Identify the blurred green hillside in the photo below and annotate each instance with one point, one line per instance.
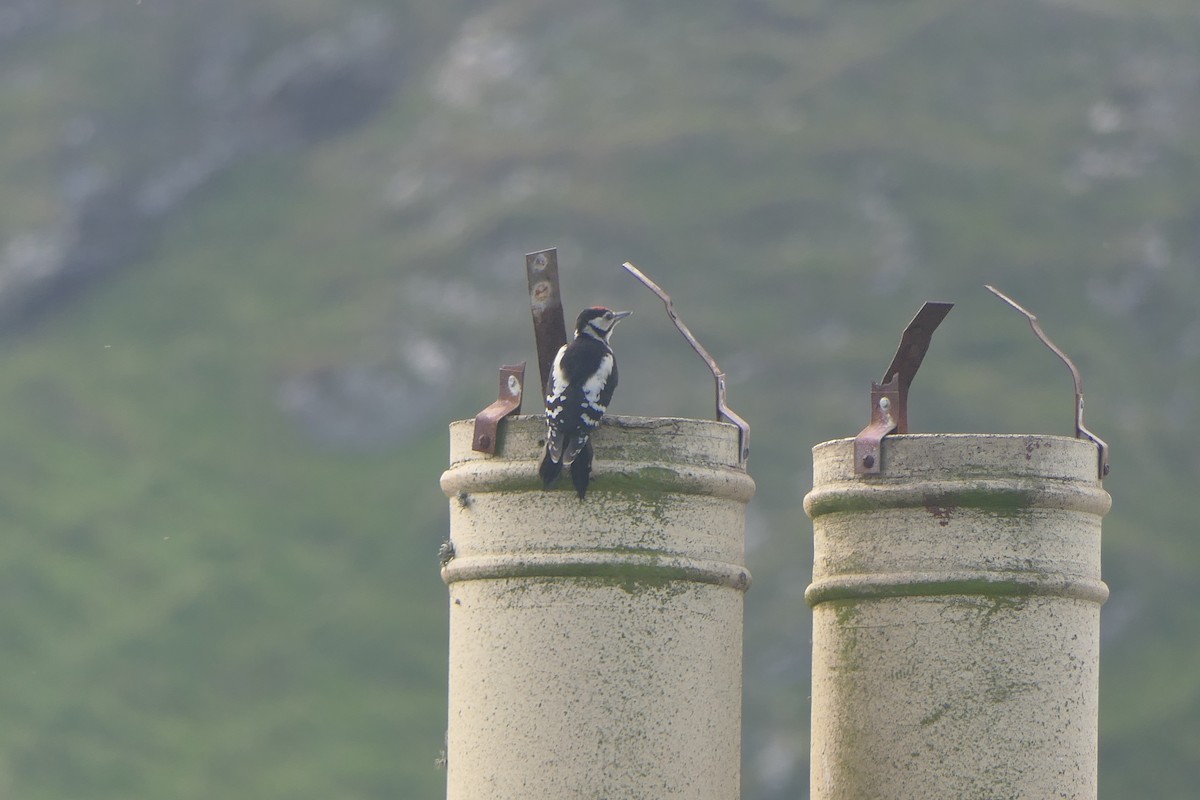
(255, 256)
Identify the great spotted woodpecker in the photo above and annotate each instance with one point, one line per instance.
(580, 387)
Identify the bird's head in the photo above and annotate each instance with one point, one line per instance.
(598, 322)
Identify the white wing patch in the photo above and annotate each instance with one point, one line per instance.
(592, 389)
(558, 386)
(554, 406)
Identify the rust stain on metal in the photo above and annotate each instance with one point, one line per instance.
(542, 291)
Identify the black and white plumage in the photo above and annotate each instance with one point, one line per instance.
(578, 392)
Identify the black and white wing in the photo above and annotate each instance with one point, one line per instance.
(556, 404)
(595, 393)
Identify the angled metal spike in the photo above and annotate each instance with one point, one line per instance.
(889, 399)
(914, 343)
(1081, 431)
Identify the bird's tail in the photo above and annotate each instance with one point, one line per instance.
(549, 470)
(581, 469)
(573, 446)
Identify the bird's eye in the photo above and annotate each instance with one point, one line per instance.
(608, 315)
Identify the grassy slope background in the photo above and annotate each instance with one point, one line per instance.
(219, 490)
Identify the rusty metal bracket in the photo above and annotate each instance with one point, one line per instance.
(889, 398)
(487, 422)
(868, 445)
(545, 302)
(724, 412)
(1081, 431)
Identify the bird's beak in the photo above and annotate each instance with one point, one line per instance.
(620, 315)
